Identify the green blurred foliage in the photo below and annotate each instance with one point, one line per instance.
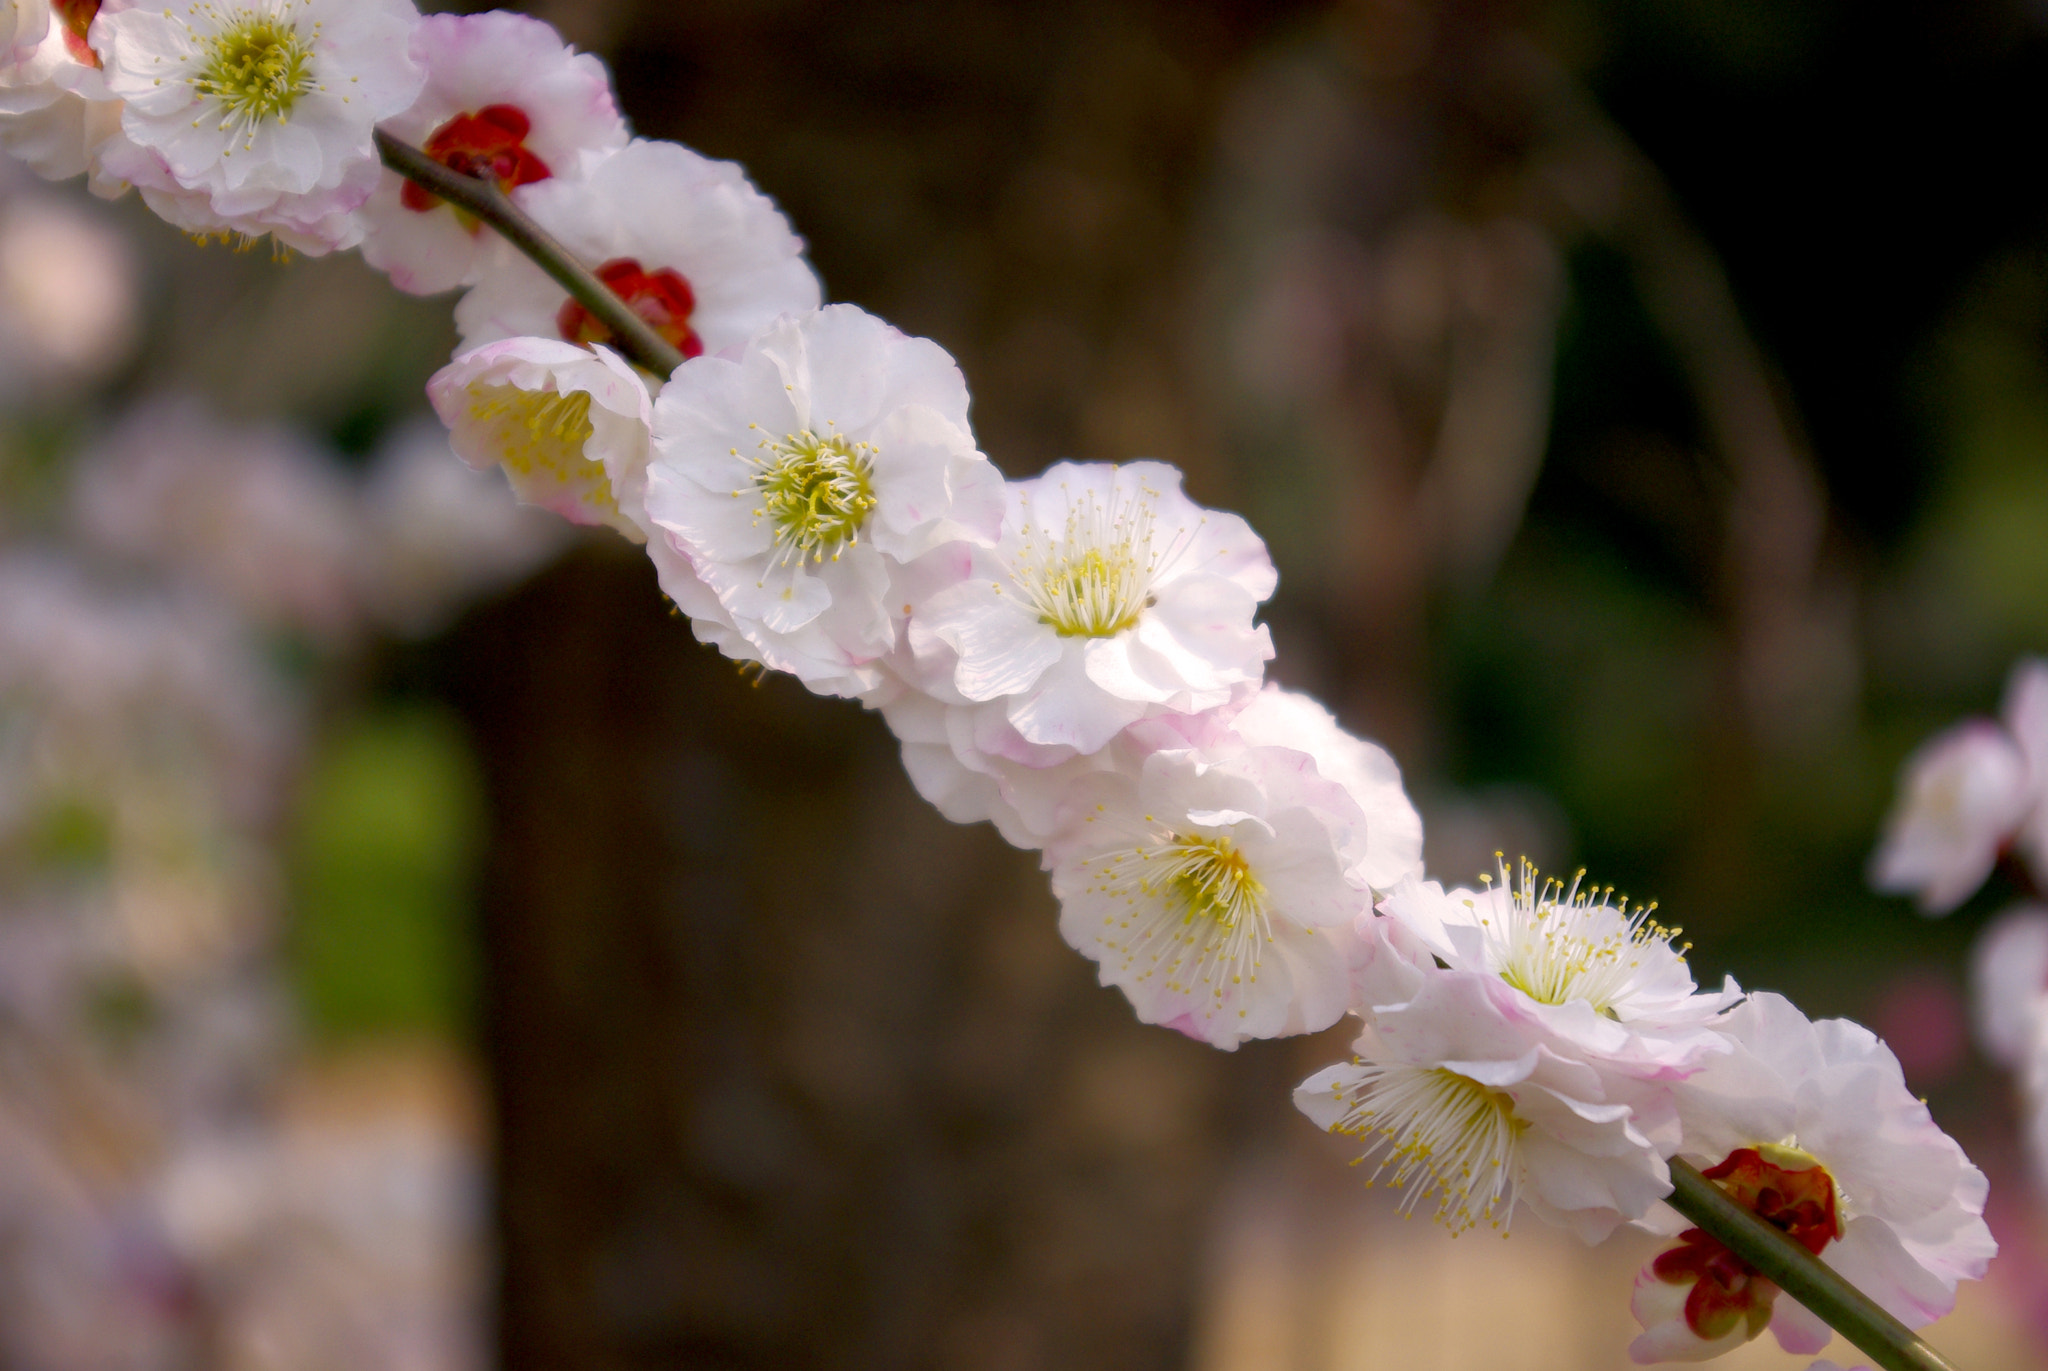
(383, 865)
(1982, 547)
(71, 834)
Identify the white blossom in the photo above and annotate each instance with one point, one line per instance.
(56, 112)
(1456, 1107)
(2009, 983)
(2009, 997)
(969, 761)
(2033, 1101)
(793, 479)
(567, 423)
(257, 115)
(1519, 1044)
(1212, 891)
(2025, 714)
(311, 224)
(1812, 1125)
(1111, 596)
(505, 98)
(1963, 796)
(1584, 973)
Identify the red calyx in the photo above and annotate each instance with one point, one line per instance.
(1725, 1289)
(76, 16)
(490, 144)
(662, 297)
(1800, 1203)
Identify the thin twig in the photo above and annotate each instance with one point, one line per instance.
(631, 334)
(1800, 1274)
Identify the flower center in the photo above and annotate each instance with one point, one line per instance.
(1210, 879)
(1095, 579)
(817, 491)
(1445, 1136)
(1194, 914)
(1786, 1188)
(257, 66)
(662, 297)
(76, 16)
(1558, 943)
(540, 434)
(490, 144)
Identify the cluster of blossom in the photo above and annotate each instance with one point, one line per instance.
(175, 1210)
(178, 1207)
(258, 518)
(1972, 800)
(1073, 657)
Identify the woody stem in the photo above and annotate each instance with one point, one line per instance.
(631, 334)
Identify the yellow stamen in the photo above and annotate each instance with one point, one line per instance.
(818, 492)
(257, 66)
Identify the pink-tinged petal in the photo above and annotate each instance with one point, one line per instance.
(1964, 795)
(2025, 713)
(1224, 545)
(1064, 708)
(1303, 879)
(1109, 666)
(567, 425)
(781, 597)
(714, 531)
(901, 372)
(1317, 968)
(914, 449)
(1390, 965)
(1592, 1195)
(1207, 620)
(986, 730)
(473, 61)
(1426, 911)
(1871, 1257)
(1003, 648)
(979, 499)
(2009, 983)
(1797, 1330)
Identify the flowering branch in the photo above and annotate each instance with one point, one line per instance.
(1800, 1274)
(1074, 658)
(634, 338)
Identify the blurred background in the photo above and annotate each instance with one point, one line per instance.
(416, 952)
